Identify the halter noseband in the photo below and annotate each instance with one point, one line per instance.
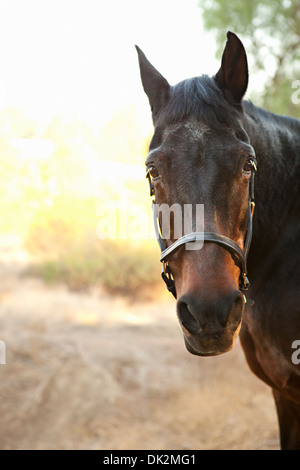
(210, 237)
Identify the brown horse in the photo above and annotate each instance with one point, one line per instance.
(207, 145)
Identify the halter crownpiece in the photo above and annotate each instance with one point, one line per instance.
(206, 237)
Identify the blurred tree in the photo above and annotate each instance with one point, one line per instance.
(270, 32)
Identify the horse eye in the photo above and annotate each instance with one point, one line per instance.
(153, 172)
(249, 166)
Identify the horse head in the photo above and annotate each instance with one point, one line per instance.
(200, 154)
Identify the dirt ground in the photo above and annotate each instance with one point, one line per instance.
(89, 371)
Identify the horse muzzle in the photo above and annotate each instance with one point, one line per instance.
(210, 328)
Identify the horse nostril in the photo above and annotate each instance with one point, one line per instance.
(186, 318)
(234, 312)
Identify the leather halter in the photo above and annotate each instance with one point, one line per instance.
(210, 237)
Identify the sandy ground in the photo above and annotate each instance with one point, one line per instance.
(88, 371)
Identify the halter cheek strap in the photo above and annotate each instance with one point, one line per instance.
(206, 237)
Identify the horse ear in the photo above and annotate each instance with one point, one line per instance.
(232, 77)
(155, 85)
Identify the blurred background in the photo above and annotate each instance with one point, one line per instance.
(94, 355)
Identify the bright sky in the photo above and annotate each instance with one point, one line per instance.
(66, 56)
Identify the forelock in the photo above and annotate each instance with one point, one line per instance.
(199, 98)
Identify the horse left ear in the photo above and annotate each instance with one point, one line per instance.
(232, 77)
(155, 85)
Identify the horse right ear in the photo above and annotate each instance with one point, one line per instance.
(232, 77)
(155, 85)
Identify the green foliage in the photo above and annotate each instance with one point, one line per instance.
(270, 32)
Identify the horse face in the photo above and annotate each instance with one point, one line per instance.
(200, 154)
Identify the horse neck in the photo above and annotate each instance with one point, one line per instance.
(276, 140)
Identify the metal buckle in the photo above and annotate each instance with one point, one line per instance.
(167, 271)
(245, 281)
(168, 278)
(252, 207)
(165, 268)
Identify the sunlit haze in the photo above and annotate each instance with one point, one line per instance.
(62, 56)
(74, 119)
